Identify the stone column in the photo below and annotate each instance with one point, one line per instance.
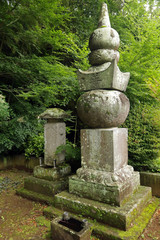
(104, 174)
(54, 135)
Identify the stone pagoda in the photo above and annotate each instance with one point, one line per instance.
(105, 188)
(105, 174)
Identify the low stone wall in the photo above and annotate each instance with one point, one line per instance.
(18, 161)
(151, 180)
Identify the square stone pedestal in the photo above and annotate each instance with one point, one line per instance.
(45, 183)
(104, 149)
(104, 175)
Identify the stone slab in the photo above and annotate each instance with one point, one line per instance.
(113, 194)
(38, 197)
(55, 135)
(104, 149)
(60, 232)
(105, 76)
(45, 187)
(119, 217)
(52, 174)
(106, 232)
(151, 180)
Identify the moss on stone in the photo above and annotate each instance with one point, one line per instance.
(106, 232)
(120, 217)
(35, 196)
(54, 113)
(51, 212)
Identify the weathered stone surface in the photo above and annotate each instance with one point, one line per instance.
(104, 17)
(39, 197)
(119, 217)
(114, 193)
(52, 173)
(45, 187)
(151, 180)
(106, 232)
(103, 177)
(54, 114)
(101, 56)
(104, 38)
(60, 232)
(105, 76)
(55, 135)
(104, 149)
(103, 109)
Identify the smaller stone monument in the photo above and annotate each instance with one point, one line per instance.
(54, 134)
(51, 177)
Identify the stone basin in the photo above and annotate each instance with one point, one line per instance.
(70, 229)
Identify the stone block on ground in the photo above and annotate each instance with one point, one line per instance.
(119, 217)
(38, 197)
(106, 232)
(45, 187)
(77, 231)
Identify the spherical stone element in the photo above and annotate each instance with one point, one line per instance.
(103, 108)
(104, 38)
(100, 56)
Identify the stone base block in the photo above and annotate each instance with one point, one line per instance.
(45, 187)
(115, 192)
(52, 174)
(119, 217)
(38, 197)
(61, 232)
(106, 232)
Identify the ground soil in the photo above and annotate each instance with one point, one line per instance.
(22, 219)
(19, 217)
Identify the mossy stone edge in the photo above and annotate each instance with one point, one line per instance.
(119, 217)
(35, 196)
(105, 232)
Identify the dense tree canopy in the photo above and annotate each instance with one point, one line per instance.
(43, 42)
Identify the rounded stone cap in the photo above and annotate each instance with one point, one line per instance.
(103, 108)
(104, 38)
(100, 56)
(53, 113)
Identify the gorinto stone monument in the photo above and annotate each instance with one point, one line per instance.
(105, 188)
(105, 174)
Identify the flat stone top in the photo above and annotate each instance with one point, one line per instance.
(53, 113)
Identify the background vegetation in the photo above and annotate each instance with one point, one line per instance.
(43, 43)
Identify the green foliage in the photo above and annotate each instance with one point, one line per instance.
(72, 154)
(4, 109)
(34, 46)
(143, 135)
(43, 43)
(35, 146)
(58, 87)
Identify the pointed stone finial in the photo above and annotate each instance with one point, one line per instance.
(104, 17)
